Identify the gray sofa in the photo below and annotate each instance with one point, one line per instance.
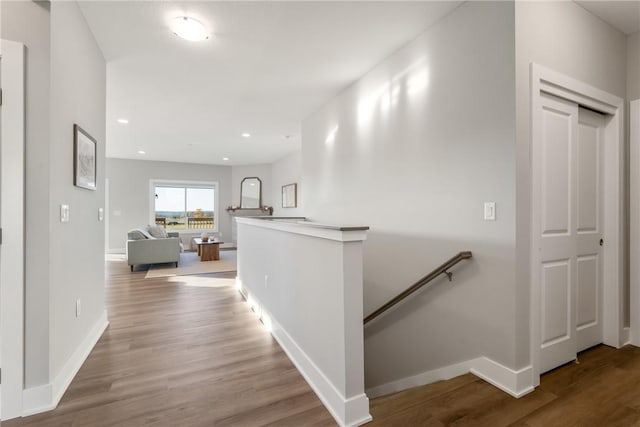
(143, 248)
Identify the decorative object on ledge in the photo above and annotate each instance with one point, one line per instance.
(290, 195)
(250, 199)
(251, 193)
(84, 159)
(266, 209)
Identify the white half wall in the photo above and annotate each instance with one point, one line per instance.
(305, 282)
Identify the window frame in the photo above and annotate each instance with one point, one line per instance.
(185, 183)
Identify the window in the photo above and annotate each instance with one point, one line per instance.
(185, 206)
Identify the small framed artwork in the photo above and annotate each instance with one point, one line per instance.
(290, 196)
(84, 159)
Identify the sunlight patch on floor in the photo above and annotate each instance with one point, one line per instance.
(203, 281)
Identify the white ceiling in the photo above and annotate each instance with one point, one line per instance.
(268, 66)
(624, 15)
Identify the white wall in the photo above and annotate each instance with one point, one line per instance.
(261, 171)
(566, 38)
(422, 141)
(283, 172)
(78, 95)
(315, 313)
(27, 22)
(65, 85)
(129, 192)
(633, 66)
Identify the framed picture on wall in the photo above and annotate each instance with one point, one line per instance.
(290, 196)
(84, 159)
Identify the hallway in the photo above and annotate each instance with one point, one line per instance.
(182, 351)
(187, 351)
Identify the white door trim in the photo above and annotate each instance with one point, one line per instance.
(634, 206)
(544, 80)
(12, 116)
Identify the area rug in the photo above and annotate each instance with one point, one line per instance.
(190, 264)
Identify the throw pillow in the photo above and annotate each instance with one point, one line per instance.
(157, 231)
(136, 234)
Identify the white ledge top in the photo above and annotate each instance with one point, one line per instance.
(308, 228)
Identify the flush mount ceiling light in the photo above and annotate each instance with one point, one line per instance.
(189, 29)
(225, 158)
(246, 135)
(123, 121)
(141, 152)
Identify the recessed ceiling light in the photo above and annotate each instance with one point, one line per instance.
(123, 121)
(246, 135)
(189, 29)
(141, 152)
(225, 158)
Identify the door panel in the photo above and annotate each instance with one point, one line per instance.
(588, 171)
(556, 186)
(587, 304)
(589, 230)
(557, 242)
(556, 292)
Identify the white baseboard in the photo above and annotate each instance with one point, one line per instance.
(515, 383)
(350, 412)
(347, 412)
(423, 378)
(116, 251)
(625, 336)
(37, 399)
(46, 397)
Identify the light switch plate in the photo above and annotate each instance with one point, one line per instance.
(489, 211)
(100, 214)
(64, 213)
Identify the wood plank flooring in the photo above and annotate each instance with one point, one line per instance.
(603, 389)
(183, 351)
(187, 351)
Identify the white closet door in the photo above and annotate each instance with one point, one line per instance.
(569, 158)
(589, 229)
(557, 156)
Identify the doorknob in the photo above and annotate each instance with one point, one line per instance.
(601, 242)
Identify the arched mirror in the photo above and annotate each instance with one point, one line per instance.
(251, 193)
